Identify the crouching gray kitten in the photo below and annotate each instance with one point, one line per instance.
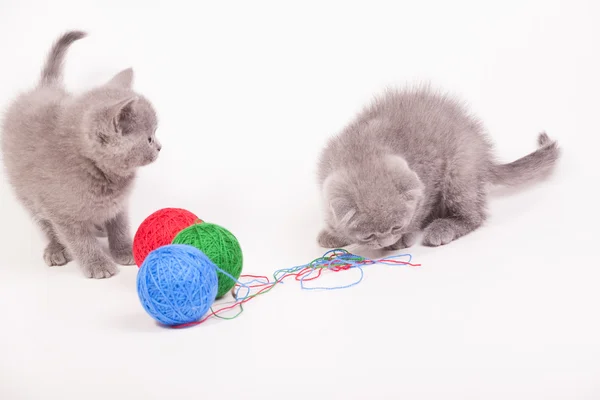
(72, 162)
(415, 160)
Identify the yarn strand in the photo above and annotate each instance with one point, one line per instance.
(336, 260)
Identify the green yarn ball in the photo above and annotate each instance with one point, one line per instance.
(220, 246)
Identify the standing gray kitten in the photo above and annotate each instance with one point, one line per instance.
(72, 162)
(412, 161)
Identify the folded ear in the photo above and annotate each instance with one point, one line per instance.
(123, 79)
(405, 179)
(121, 114)
(338, 199)
(411, 197)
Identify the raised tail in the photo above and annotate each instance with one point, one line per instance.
(532, 167)
(52, 72)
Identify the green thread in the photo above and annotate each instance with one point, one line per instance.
(220, 245)
(241, 310)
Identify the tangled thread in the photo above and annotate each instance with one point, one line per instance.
(221, 246)
(159, 229)
(334, 261)
(177, 284)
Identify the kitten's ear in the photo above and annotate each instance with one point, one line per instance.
(122, 114)
(412, 196)
(123, 79)
(405, 179)
(396, 163)
(338, 199)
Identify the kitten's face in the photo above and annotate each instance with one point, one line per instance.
(122, 133)
(376, 206)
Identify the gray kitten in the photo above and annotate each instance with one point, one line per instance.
(415, 160)
(72, 162)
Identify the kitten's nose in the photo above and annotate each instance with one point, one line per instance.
(158, 146)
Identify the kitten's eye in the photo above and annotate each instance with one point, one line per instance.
(396, 229)
(150, 140)
(369, 238)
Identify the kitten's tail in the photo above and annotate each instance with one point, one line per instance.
(52, 72)
(532, 167)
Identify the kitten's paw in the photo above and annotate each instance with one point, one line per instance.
(329, 241)
(399, 245)
(438, 233)
(102, 270)
(123, 257)
(55, 254)
(407, 240)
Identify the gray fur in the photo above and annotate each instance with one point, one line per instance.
(72, 162)
(415, 160)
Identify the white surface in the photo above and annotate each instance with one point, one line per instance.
(247, 94)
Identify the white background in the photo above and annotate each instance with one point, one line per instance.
(247, 94)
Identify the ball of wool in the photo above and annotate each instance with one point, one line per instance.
(177, 284)
(220, 246)
(159, 229)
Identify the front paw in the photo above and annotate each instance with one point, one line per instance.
(55, 254)
(123, 257)
(438, 233)
(406, 241)
(329, 240)
(100, 270)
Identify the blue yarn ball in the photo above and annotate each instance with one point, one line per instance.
(177, 284)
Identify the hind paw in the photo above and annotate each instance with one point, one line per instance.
(123, 257)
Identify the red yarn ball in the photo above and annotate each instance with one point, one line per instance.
(159, 229)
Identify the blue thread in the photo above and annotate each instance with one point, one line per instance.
(348, 258)
(340, 258)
